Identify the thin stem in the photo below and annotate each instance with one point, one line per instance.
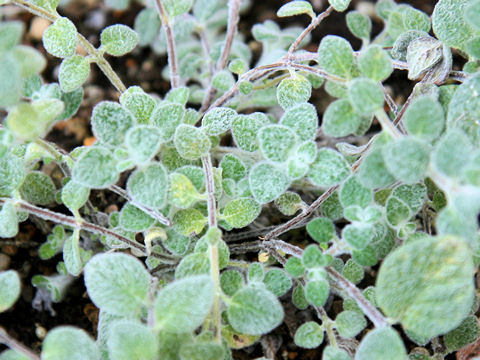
(215, 271)
(368, 309)
(315, 22)
(211, 203)
(171, 49)
(152, 212)
(17, 346)
(89, 48)
(74, 223)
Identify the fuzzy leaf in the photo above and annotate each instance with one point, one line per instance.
(340, 119)
(350, 323)
(335, 56)
(218, 120)
(354, 193)
(141, 105)
(375, 63)
(296, 7)
(267, 182)
(117, 40)
(321, 229)
(407, 159)
(427, 285)
(73, 73)
(339, 5)
(232, 167)
(359, 24)
(309, 335)
(254, 311)
(95, 168)
(10, 34)
(110, 122)
(293, 91)
(182, 193)
(277, 281)
(148, 186)
(8, 221)
(288, 203)
(143, 143)
(422, 54)
(245, 129)
(365, 95)
(72, 255)
(68, 342)
(380, 344)
(134, 219)
(183, 305)
(117, 283)
(189, 221)
(177, 7)
(60, 39)
(128, 340)
(231, 281)
(373, 172)
(466, 333)
(452, 152)
(30, 60)
(191, 142)
(38, 188)
(11, 84)
(241, 212)
(10, 287)
(276, 142)
(424, 118)
(316, 292)
(302, 119)
(167, 118)
(329, 168)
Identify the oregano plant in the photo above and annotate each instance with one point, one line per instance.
(269, 193)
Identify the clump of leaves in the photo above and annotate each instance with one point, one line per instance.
(199, 168)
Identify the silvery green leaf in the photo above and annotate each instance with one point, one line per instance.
(38, 188)
(72, 254)
(95, 168)
(294, 267)
(296, 7)
(350, 323)
(302, 119)
(189, 221)
(10, 34)
(339, 5)
(223, 80)
(129, 340)
(293, 91)
(471, 14)
(141, 105)
(412, 195)
(380, 344)
(68, 342)
(354, 193)
(203, 351)
(288, 203)
(10, 287)
(335, 56)
(353, 271)
(358, 235)
(334, 353)
(427, 285)
(424, 118)
(232, 167)
(195, 174)
(375, 63)
(309, 335)
(110, 122)
(414, 19)
(177, 7)
(73, 73)
(473, 48)
(466, 333)
(12, 355)
(231, 281)
(397, 212)
(365, 95)
(422, 54)
(464, 108)
(147, 26)
(143, 143)
(267, 182)
(340, 119)
(181, 192)
(8, 221)
(241, 212)
(11, 84)
(452, 153)
(449, 24)
(329, 168)
(218, 120)
(316, 292)
(276, 142)
(400, 47)
(183, 305)
(254, 311)
(30, 60)
(245, 129)
(237, 66)
(134, 219)
(277, 281)
(12, 174)
(359, 24)
(71, 102)
(117, 40)
(406, 159)
(321, 229)
(148, 185)
(373, 172)
(60, 39)
(313, 257)
(191, 142)
(117, 283)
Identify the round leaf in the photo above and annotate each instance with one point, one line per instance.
(241, 212)
(267, 182)
(60, 39)
(68, 342)
(9, 289)
(118, 40)
(95, 168)
(148, 186)
(309, 335)
(381, 344)
(329, 168)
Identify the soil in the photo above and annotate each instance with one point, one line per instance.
(141, 67)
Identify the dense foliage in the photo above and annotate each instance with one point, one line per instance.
(369, 187)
